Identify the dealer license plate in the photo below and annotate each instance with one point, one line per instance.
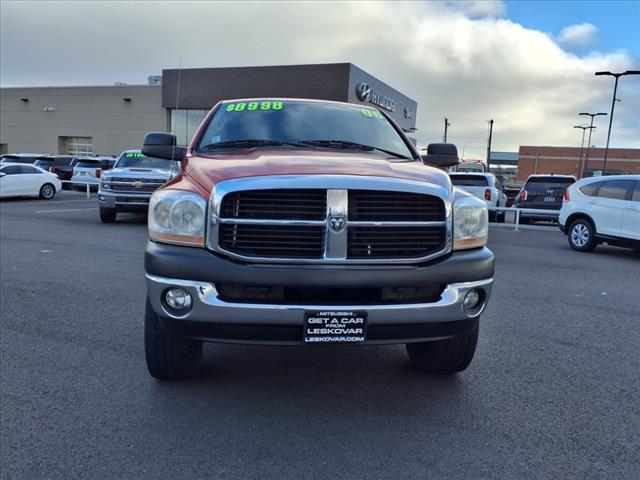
(335, 327)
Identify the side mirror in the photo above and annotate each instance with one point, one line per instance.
(441, 155)
(163, 145)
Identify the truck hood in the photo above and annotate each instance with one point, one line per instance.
(140, 173)
(212, 169)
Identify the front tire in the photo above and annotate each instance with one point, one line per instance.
(169, 356)
(108, 215)
(444, 356)
(581, 235)
(47, 191)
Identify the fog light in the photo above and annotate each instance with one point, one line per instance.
(471, 299)
(178, 298)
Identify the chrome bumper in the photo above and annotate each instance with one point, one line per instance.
(208, 308)
(107, 199)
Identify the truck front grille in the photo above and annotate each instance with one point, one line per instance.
(135, 185)
(331, 225)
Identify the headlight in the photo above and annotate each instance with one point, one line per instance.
(104, 185)
(470, 223)
(177, 217)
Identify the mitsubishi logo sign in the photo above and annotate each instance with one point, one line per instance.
(366, 94)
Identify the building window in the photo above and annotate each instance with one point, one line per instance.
(184, 124)
(81, 146)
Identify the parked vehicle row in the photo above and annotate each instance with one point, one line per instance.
(74, 172)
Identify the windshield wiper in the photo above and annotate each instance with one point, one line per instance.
(343, 144)
(251, 142)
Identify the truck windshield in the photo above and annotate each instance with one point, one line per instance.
(138, 160)
(304, 124)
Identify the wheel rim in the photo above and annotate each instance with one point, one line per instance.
(580, 235)
(47, 191)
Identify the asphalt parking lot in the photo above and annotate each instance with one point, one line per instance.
(552, 392)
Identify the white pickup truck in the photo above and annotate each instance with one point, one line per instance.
(484, 186)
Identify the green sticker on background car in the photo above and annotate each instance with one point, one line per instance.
(135, 155)
(253, 106)
(372, 113)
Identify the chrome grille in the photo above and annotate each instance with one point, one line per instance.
(389, 221)
(134, 185)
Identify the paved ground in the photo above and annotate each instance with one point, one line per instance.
(552, 393)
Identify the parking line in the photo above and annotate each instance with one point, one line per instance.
(67, 210)
(55, 201)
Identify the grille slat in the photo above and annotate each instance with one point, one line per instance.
(367, 205)
(268, 241)
(275, 204)
(365, 242)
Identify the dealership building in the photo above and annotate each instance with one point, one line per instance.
(105, 120)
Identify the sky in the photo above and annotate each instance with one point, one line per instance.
(527, 65)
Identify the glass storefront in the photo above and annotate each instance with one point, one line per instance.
(184, 124)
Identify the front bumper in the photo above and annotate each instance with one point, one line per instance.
(124, 202)
(213, 319)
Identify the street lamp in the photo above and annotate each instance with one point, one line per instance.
(584, 129)
(613, 104)
(586, 162)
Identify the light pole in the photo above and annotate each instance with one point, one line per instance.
(592, 115)
(584, 129)
(446, 127)
(465, 146)
(613, 104)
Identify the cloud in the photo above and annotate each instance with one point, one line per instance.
(479, 8)
(469, 69)
(579, 34)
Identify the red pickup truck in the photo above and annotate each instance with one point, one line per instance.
(305, 222)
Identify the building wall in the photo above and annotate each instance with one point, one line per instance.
(97, 112)
(565, 160)
(202, 88)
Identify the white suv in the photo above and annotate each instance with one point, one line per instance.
(602, 210)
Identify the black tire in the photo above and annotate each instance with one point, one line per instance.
(493, 216)
(108, 215)
(444, 356)
(524, 221)
(581, 235)
(501, 217)
(47, 191)
(169, 356)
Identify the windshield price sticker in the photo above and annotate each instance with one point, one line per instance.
(135, 155)
(372, 113)
(335, 327)
(253, 106)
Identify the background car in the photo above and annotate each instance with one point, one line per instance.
(61, 165)
(17, 179)
(20, 157)
(543, 192)
(602, 210)
(88, 171)
(486, 187)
